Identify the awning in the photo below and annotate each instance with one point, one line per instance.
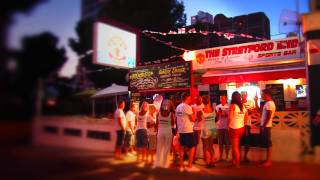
(112, 90)
(228, 76)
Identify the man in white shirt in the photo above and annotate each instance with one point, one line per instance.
(185, 119)
(269, 109)
(221, 126)
(131, 121)
(251, 107)
(121, 126)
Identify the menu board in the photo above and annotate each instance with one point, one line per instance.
(214, 93)
(164, 76)
(277, 95)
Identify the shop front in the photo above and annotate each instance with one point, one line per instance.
(277, 65)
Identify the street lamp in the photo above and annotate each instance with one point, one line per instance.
(189, 55)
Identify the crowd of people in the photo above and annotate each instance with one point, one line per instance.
(176, 130)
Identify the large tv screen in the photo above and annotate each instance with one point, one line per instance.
(301, 91)
(114, 46)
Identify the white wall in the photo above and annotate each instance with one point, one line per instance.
(83, 124)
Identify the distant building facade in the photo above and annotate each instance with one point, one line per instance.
(202, 17)
(254, 24)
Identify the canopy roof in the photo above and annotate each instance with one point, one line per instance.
(112, 90)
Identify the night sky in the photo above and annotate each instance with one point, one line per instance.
(60, 17)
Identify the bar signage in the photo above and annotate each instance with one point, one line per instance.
(247, 53)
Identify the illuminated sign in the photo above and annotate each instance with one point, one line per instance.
(163, 76)
(247, 53)
(114, 46)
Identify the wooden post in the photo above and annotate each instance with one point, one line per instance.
(116, 98)
(38, 104)
(93, 108)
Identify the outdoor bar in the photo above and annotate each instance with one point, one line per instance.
(251, 67)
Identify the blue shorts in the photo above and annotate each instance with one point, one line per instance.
(141, 138)
(188, 140)
(197, 135)
(223, 138)
(265, 137)
(120, 138)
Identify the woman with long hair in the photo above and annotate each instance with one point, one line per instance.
(238, 115)
(141, 132)
(208, 115)
(165, 122)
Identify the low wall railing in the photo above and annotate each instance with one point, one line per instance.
(289, 120)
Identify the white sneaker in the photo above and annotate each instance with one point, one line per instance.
(192, 169)
(181, 169)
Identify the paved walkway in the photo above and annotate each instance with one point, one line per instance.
(55, 163)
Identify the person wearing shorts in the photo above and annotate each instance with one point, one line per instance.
(121, 125)
(131, 119)
(185, 118)
(221, 126)
(208, 115)
(268, 111)
(251, 107)
(141, 132)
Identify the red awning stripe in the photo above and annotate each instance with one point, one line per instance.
(254, 77)
(314, 50)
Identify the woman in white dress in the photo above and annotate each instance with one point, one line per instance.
(165, 122)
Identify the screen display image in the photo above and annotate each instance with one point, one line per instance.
(301, 91)
(114, 46)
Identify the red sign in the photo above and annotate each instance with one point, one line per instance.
(248, 53)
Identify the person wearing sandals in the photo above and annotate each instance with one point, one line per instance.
(208, 115)
(268, 111)
(185, 119)
(165, 122)
(131, 120)
(141, 133)
(238, 116)
(251, 107)
(221, 126)
(121, 126)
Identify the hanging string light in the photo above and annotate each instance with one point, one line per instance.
(182, 31)
(187, 54)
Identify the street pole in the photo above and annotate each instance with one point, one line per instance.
(311, 32)
(38, 101)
